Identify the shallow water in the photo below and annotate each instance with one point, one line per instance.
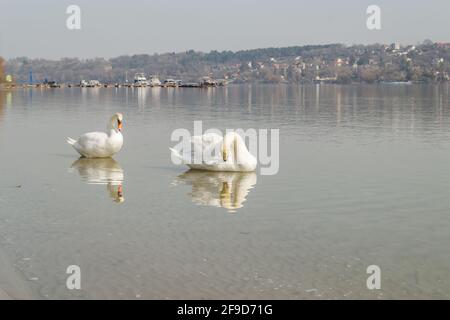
(363, 180)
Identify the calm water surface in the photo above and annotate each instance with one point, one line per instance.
(364, 179)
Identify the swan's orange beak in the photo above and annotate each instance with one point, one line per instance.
(119, 125)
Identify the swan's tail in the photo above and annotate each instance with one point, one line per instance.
(70, 141)
(176, 154)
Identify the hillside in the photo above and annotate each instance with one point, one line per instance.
(428, 62)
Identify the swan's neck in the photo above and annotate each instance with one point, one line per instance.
(236, 146)
(111, 128)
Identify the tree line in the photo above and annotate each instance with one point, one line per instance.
(425, 62)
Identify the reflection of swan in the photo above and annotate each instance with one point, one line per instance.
(232, 153)
(104, 171)
(101, 144)
(218, 189)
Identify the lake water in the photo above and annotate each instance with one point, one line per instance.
(364, 180)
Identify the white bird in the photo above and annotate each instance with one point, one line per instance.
(101, 144)
(231, 154)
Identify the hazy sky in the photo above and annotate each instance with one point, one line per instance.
(37, 28)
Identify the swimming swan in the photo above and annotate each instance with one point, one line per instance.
(233, 154)
(101, 144)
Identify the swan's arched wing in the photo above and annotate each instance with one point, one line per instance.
(206, 143)
(93, 142)
(206, 140)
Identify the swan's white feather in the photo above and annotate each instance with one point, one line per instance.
(99, 144)
(213, 141)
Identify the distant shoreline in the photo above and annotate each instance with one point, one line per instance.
(112, 86)
(332, 63)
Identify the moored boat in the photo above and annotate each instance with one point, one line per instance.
(140, 80)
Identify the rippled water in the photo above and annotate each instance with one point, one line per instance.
(364, 179)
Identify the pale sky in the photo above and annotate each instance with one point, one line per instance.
(37, 28)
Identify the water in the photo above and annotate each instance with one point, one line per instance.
(363, 180)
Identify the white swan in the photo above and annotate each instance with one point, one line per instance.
(233, 154)
(101, 144)
(228, 190)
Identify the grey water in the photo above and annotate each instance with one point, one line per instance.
(364, 179)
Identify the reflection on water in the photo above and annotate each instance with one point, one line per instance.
(228, 190)
(363, 180)
(104, 171)
(3, 96)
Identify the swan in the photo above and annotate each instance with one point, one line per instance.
(228, 190)
(233, 154)
(101, 144)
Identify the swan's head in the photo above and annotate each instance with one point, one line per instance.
(224, 152)
(116, 121)
(230, 144)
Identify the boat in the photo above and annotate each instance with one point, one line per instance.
(89, 84)
(154, 81)
(208, 82)
(190, 85)
(53, 84)
(221, 82)
(140, 80)
(170, 83)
